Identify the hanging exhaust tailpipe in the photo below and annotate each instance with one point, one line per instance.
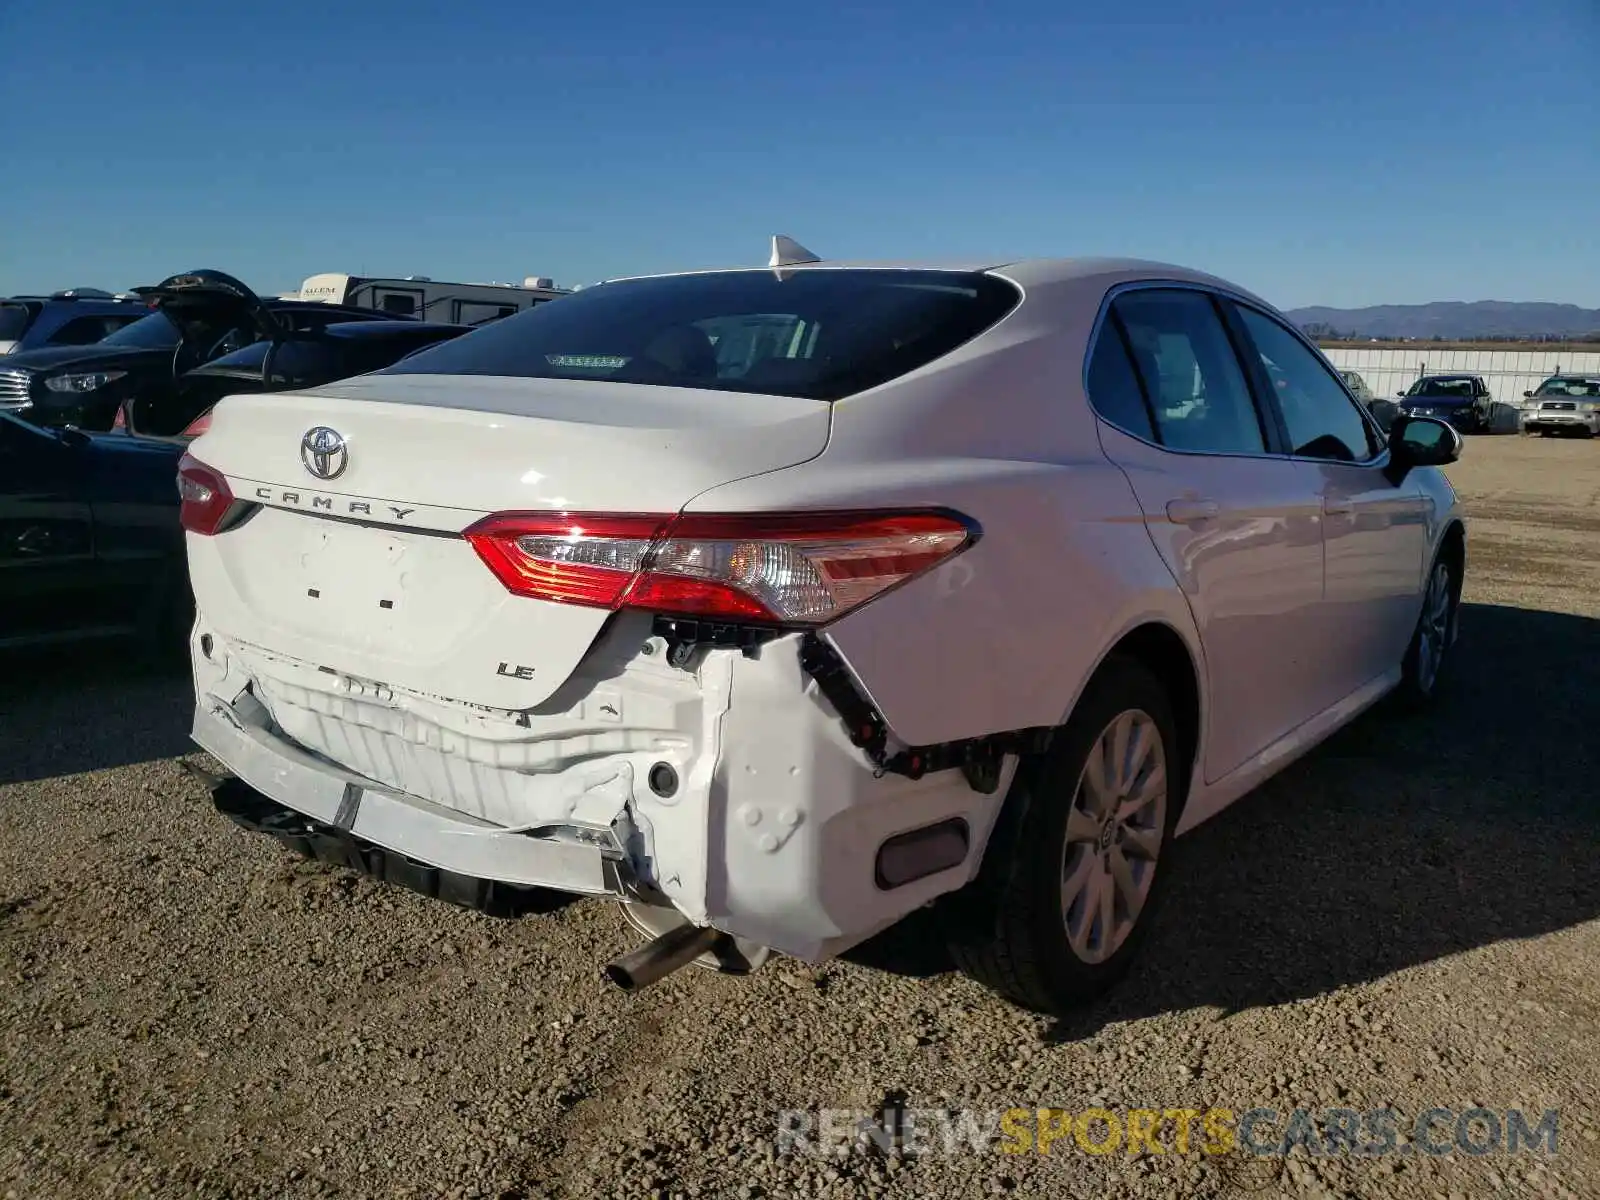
(658, 958)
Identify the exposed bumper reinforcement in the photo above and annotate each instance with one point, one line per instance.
(407, 829)
(251, 810)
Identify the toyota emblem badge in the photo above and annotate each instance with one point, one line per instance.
(324, 452)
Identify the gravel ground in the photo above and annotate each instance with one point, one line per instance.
(1410, 917)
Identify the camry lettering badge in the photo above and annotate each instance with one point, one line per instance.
(324, 452)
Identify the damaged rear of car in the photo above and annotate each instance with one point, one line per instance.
(516, 614)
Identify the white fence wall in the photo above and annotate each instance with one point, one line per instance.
(1508, 373)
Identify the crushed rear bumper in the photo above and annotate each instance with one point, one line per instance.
(777, 831)
(407, 826)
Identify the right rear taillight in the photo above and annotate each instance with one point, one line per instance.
(206, 499)
(199, 425)
(771, 568)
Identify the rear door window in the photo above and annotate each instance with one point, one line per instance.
(819, 333)
(1198, 394)
(83, 331)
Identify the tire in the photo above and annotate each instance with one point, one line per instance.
(1009, 929)
(1428, 654)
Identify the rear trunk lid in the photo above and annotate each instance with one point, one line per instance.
(354, 561)
(200, 302)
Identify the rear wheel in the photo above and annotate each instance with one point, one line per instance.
(1077, 865)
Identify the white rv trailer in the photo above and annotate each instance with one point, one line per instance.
(420, 296)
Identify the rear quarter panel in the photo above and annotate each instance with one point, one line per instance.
(1005, 635)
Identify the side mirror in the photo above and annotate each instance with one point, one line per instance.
(1423, 442)
(1527, 395)
(1400, 394)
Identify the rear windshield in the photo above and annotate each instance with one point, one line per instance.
(154, 332)
(818, 334)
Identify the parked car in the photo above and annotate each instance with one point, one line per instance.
(90, 544)
(1383, 411)
(75, 317)
(778, 603)
(298, 360)
(1563, 404)
(1463, 400)
(1358, 386)
(200, 316)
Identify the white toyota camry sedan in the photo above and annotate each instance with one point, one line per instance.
(779, 602)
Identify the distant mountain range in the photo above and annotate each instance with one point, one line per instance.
(1452, 319)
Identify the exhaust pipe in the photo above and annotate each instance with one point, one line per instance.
(660, 957)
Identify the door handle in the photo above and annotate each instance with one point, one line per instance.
(1190, 512)
(1337, 508)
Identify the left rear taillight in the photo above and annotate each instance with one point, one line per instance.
(206, 499)
(199, 425)
(770, 568)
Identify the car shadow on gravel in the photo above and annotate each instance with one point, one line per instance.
(1405, 838)
(65, 712)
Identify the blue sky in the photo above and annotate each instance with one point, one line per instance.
(1346, 154)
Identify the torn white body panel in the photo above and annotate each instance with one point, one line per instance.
(769, 833)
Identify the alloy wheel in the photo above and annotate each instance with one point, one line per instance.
(1114, 835)
(1434, 631)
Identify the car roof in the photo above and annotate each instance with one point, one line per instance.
(75, 301)
(1028, 272)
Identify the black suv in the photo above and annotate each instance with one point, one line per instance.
(200, 316)
(76, 317)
